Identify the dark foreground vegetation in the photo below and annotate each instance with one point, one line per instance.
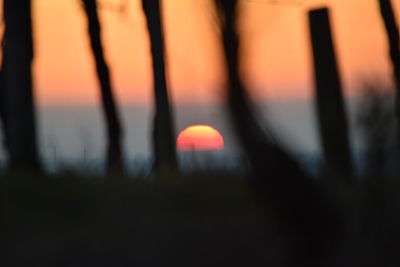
(197, 220)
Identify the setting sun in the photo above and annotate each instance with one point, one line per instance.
(200, 137)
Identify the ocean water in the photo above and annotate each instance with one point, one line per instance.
(74, 137)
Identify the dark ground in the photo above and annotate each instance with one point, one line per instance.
(199, 220)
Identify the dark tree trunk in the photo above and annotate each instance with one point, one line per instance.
(392, 31)
(2, 105)
(17, 98)
(2, 95)
(305, 216)
(114, 159)
(163, 131)
(329, 98)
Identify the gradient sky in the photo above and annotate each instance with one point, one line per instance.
(276, 51)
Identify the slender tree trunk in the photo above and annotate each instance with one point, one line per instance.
(114, 158)
(304, 215)
(392, 31)
(329, 98)
(163, 132)
(2, 105)
(2, 95)
(19, 112)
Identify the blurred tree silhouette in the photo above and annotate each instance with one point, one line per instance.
(114, 159)
(376, 120)
(392, 31)
(305, 215)
(19, 112)
(163, 130)
(2, 95)
(329, 100)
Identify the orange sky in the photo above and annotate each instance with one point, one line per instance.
(276, 62)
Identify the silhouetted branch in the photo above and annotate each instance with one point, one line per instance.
(19, 111)
(163, 132)
(114, 162)
(330, 104)
(392, 31)
(304, 215)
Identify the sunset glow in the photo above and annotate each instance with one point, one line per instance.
(276, 54)
(200, 137)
